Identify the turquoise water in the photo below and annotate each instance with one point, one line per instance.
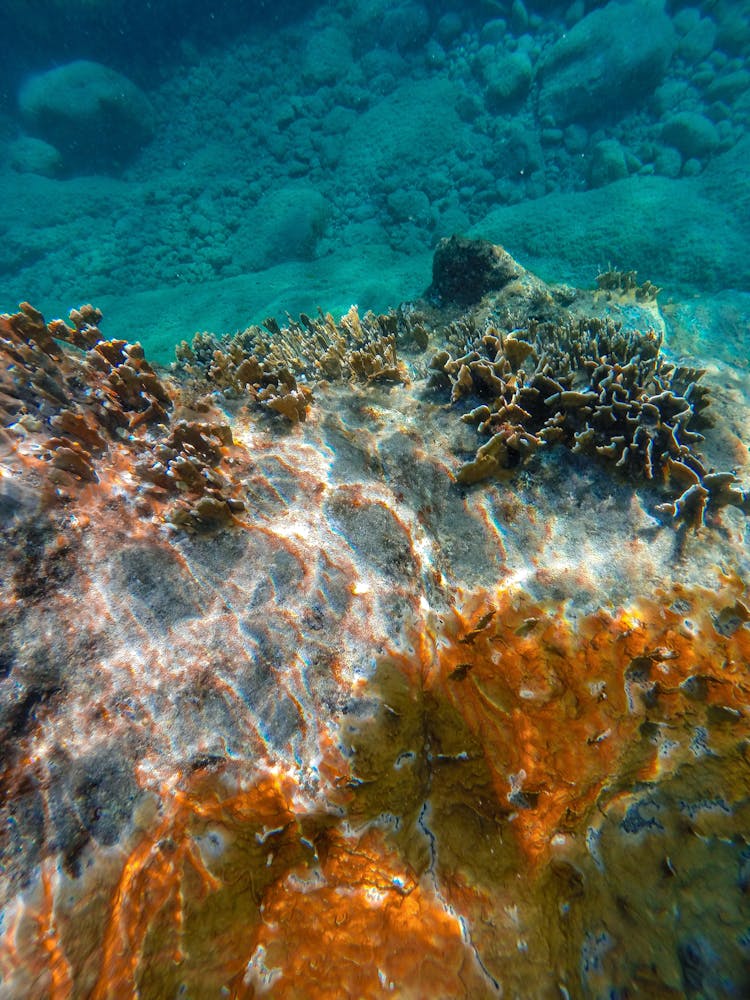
(251, 160)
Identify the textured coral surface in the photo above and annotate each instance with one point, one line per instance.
(288, 710)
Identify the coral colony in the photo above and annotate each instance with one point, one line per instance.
(401, 655)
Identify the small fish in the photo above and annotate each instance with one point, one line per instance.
(480, 626)
(459, 673)
(527, 625)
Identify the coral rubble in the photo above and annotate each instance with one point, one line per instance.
(290, 707)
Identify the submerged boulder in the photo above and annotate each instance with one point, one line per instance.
(692, 134)
(508, 78)
(28, 155)
(287, 224)
(96, 117)
(463, 270)
(611, 59)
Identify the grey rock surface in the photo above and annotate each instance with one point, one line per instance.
(96, 117)
(612, 58)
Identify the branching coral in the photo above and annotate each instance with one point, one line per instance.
(105, 399)
(265, 365)
(187, 463)
(595, 389)
(88, 402)
(625, 283)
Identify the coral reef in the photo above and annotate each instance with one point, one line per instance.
(595, 389)
(263, 365)
(285, 707)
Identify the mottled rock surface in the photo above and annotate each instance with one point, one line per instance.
(284, 705)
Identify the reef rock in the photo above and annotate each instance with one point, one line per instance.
(96, 117)
(292, 706)
(464, 270)
(607, 62)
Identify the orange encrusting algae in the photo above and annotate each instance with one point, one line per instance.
(207, 849)
(360, 926)
(559, 706)
(228, 876)
(259, 890)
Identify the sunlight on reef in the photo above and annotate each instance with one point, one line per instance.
(293, 705)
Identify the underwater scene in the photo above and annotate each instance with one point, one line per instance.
(374, 497)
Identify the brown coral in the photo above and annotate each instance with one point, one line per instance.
(596, 389)
(186, 463)
(268, 369)
(624, 284)
(107, 400)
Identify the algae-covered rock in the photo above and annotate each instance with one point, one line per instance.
(508, 78)
(328, 56)
(414, 126)
(637, 222)
(404, 25)
(609, 61)
(692, 134)
(28, 155)
(607, 163)
(96, 117)
(286, 225)
(697, 34)
(464, 270)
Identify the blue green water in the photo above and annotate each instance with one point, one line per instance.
(254, 159)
